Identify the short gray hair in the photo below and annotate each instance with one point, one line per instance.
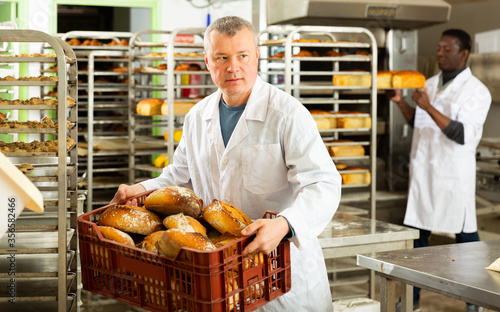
(230, 26)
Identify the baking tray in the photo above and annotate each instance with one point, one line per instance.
(34, 239)
(33, 264)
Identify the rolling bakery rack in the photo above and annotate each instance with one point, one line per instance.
(44, 250)
(308, 77)
(103, 111)
(158, 75)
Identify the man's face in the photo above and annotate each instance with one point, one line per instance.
(232, 62)
(449, 57)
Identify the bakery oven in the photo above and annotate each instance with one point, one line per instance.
(395, 26)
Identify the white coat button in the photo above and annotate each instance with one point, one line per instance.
(224, 161)
(226, 200)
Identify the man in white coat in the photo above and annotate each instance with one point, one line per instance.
(254, 146)
(448, 124)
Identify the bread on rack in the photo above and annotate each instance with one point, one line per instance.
(362, 177)
(350, 150)
(171, 241)
(131, 219)
(180, 108)
(356, 79)
(304, 53)
(116, 235)
(354, 121)
(185, 223)
(173, 199)
(323, 122)
(149, 107)
(226, 218)
(177, 135)
(188, 67)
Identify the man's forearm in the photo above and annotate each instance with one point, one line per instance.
(407, 111)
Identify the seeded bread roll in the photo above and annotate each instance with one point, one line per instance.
(116, 235)
(149, 242)
(171, 242)
(185, 223)
(131, 219)
(174, 199)
(226, 218)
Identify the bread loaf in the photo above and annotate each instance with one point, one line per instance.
(173, 199)
(180, 108)
(356, 177)
(323, 122)
(384, 79)
(131, 219)
(408, 79)
(185, 223)
(345, 150)
(353, 122)
(149, 107)
(358, 80)
(171, 242)
(149, 242)
(226, 218)
(116, 235)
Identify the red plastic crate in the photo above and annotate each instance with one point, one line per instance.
(197, 281)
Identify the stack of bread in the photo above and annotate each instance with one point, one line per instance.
(151, 106)
(385, 79)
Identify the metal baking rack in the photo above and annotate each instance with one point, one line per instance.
(298, 76)
(103, 113)
(45, 246)
(169, 84)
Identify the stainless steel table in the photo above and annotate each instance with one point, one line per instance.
(347, 235)
(456, 270)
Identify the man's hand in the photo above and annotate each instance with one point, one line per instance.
(422, 99)
(270, 232)
(126, 191)
(394, 95)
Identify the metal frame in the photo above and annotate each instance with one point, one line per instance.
(66, 168)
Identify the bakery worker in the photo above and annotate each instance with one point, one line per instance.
(448, 123)
(258, 148)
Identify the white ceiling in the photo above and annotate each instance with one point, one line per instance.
(452, 2)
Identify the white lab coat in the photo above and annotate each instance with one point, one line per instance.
(442, 172)
(275, 160)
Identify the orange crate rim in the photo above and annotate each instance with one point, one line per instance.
(219, 280)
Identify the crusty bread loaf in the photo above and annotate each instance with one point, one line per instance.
(225, 239)
(116, 235)
(408, 79)
(173, 199)
(177, 135)
(323, 122)
(384, 79)
(131, 219)
(358, 80)
(185, 223)
(226, 218)
(340, 166)
(353, 122)
(356, 177)
(149, 107)
(345, 150)
(180, 108)
(171, 242)
(149, 242)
